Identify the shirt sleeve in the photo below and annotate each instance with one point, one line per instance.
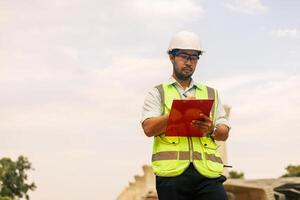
(152, 105)
(221, 114)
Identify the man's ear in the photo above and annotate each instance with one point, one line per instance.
(172, 58)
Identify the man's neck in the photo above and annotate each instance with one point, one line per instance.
(184, 83)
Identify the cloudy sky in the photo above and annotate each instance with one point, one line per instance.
(74, 75)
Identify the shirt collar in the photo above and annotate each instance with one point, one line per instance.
(172, 80)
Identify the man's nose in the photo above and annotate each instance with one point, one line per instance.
(188, 62)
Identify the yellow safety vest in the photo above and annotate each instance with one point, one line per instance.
(172, 155)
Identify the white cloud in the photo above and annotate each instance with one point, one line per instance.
(246, 6)
(69, 52)
(238, 81)
(167, 8)
(264, 114)
(286, 33)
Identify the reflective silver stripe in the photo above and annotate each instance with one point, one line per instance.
(165, 155)
(213, 158)
(211, 95)
(171, 155)
(184, 155)
(197, 156)
(162, 95)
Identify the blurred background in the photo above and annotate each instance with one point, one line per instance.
(74, 75)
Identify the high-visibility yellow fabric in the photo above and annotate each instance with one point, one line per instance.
(172, 155)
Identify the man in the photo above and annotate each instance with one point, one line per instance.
(186, 168)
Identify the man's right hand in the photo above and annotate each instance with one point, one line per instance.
(155, 125)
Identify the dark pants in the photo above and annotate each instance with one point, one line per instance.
(190, 185)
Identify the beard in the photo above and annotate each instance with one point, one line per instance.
(184, 74)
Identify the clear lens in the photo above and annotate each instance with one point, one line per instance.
(185, 57)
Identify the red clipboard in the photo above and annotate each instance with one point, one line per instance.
(183, 112)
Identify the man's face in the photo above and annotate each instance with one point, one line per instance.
(184, 63)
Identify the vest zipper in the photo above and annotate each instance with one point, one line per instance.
(190, 148)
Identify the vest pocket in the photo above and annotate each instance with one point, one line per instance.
(162, 143)
(209, 145)
(211, 155)
(168, 140)
(165, 155)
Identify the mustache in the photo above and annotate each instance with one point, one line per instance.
(189, 68)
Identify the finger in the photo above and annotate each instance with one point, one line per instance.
(202, 116)
(202, 129)
(202, 123)
(200, 126)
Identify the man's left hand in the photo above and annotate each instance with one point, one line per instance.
(204, 123)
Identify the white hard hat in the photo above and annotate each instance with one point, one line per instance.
(185, 40)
